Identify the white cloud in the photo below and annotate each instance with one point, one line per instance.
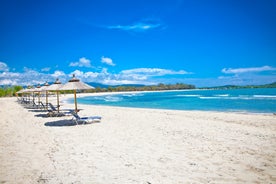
(30, 77)
(139, 76)
(133, 76)
(153, 72)
(147, 76)
(7, 82)
(58, 74)
(135, 27)
(77, 73)
(104, 71)
(9, 74)
(91, 75)
(107, 60)
(121, 82)
(83, 62)
(247, 70)
(3, 67)
(141, 26)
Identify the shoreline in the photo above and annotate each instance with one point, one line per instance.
(133, 145)
(80, 95)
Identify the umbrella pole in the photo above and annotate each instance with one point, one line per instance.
(46, 100)
(57, 101)
(33, 99)
(38, 98)
(75, 96)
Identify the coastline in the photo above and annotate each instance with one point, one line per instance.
(237, 111)
(136, 145)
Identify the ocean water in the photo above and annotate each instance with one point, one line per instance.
(236, 100)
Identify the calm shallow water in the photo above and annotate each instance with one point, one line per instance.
(238, 100)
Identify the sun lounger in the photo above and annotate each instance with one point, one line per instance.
(53, 112)
(52, 107)
(41, 105)
(84, 120)
(24, 101)
(34, 104)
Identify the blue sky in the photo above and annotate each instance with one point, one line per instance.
(200, 42)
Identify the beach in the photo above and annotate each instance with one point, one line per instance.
(135, 145)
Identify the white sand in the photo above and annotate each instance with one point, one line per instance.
(136, 146)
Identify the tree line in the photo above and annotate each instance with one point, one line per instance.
(11, 90)
(159, 87)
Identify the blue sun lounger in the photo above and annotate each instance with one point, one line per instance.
(84, 120)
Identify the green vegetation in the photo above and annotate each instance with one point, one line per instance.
(177, 86)
(9, 91)
(272, 85)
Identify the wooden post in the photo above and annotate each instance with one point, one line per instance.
(46, 100)
(58, 101)
(75, 95)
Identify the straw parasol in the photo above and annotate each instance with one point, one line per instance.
(38, 90)
(75, 84)
(30, 90)
(22, 92)
(45, 88)
(55, 87)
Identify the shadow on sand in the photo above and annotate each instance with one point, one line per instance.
(36, 110)
(60, 123)
(42, 115)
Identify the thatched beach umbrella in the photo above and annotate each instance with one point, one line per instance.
(22, 92)
(55, 87)
(30, 90)
(45, 88)
(75, 84)
(38, 90)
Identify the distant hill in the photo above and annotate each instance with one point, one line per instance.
(272, 85)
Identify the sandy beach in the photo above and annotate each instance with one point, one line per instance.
(143, 146)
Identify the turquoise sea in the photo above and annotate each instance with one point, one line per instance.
(236, 100)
